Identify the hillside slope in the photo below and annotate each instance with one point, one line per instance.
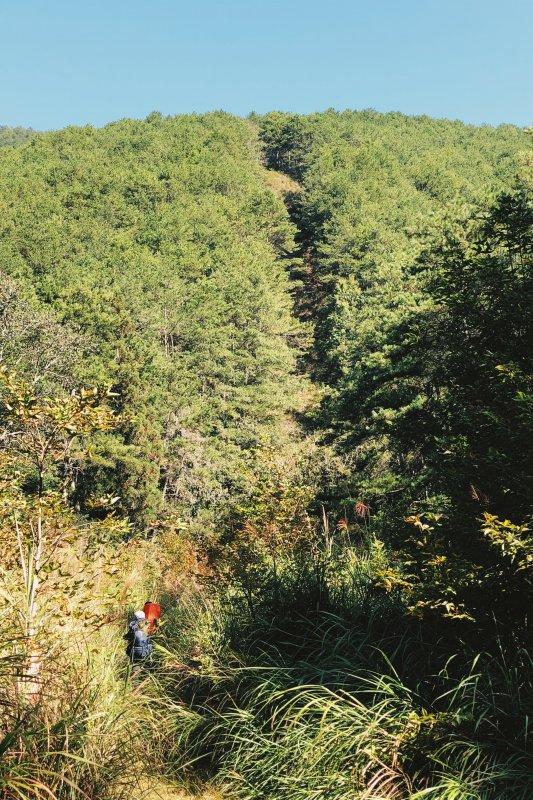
(156, 244)
(275, 375)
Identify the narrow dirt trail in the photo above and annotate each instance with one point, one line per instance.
(153, 788)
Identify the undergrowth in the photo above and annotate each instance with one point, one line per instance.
(324, 688)
(347, 697)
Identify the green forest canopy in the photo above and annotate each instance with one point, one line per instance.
(417, 241)
(9, 137)
(311, 337)
(154, 244)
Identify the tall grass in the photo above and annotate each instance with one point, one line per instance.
(322, 689)
(86, 726)
(92, 732)
(351, 701)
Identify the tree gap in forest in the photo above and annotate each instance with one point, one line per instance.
(329, 497)
(307, 289)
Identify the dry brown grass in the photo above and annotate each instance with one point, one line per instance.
(156, 789)
(280, 183)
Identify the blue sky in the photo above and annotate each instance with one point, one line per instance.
(91, 61)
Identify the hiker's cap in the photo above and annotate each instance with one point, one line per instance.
(139, 615)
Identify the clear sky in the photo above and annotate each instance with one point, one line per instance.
(91, 61)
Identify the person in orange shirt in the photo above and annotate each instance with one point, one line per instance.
(152, 612)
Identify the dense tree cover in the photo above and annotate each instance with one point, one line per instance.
(358, 626)
(417, 237)
(9, 137)
(444, 421)
(375, 186)
(154, 245)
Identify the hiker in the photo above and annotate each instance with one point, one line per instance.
(139, 645)
(152, 612)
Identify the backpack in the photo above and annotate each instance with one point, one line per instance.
(142, 646)
(138, 645)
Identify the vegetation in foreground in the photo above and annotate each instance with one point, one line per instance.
(306, 441)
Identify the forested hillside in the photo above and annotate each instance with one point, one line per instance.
(9, 137)
(275, 374)
(153, 245)
(416, 236)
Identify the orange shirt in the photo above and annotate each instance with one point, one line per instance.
(152, 612)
